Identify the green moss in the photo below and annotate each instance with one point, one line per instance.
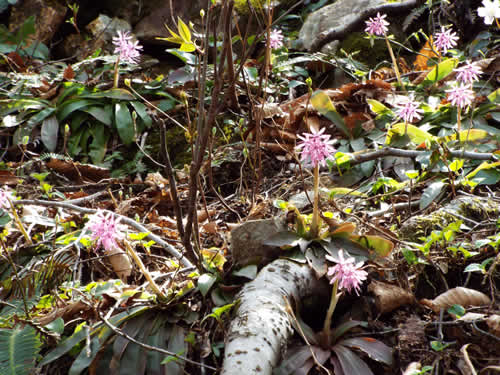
(371, 56)
(241, 6)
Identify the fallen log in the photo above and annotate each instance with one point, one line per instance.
(259, 332)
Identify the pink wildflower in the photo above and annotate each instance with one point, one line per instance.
(4, 199)
(489, 11)
(128, 50)
(468, 73)
(316, 147)
(461, 95)
(276, 39)
(410, 111)
(445, 39)
(377, 25)
(104, 229)
(349, 275)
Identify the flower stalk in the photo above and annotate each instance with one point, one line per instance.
(315, 218)
(19, 222)
(152, 284)
(394, 62)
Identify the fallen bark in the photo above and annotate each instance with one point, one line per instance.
(259, 332)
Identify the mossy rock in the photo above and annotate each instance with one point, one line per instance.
(368, 55)
(475, 209)
(242, 8)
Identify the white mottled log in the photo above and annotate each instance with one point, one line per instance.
(261, 328)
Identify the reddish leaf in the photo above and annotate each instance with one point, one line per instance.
(69, 73)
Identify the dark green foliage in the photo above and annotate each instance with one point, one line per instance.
(19, 349)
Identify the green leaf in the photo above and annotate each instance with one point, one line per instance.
(66, 345)
(9, 106)
(375, 349)
(138, 236)
(322, 103)
(117, 93)
(345, 191)
(103, 114)
(439, 346)
(440, 71)
(184, 32)
(56, 326)
(431, 193)
(49, 132)
(249, 272)
(205, 282)
(140, 108)
(97, 148)
(466, 135)
(494, 97)
(19, 349)
(379, 108)
(287, 239)
(417, 135)
(40, 116)
(350, 362)
(71, 106)
(381, 246)
(456, 310)
(124, 124)
(4, 218)
(219, 311)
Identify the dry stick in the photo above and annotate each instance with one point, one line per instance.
(204, 125)
(169, 248)
(390, 151)
(145, 272)
(171, 179)
(118, 331)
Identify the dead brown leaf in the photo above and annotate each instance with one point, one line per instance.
(457, 296)
(389, 297)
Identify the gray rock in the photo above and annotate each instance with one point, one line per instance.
(49, 15)
(247, 241)
(159, 14)
(324, 27)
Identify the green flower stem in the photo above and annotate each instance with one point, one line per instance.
(116, 73)
(328, 320)
(394, 62)
(145, 272)
(459, 120)
(315, 218)
(19, 223)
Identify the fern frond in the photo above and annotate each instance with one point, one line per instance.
(19, 348)
(414, 14)
(51, 155)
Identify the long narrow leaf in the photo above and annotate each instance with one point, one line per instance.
(375, 349)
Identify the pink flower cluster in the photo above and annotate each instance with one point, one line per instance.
(348, 274)
(127, 49)
(445, 39)
(315, 147)
(409, 111)
(104, 229)
(461, 95)
(4, 199)
(468, 73)
(377, 25)
(276, 39)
